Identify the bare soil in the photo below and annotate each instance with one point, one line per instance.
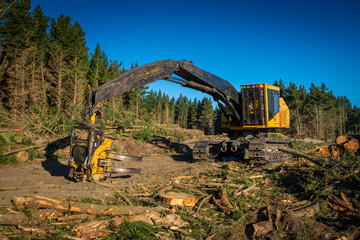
(279, 188)
(157, 168)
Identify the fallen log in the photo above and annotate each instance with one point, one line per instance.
(13, 219)
(308, 211)
(151, 218)
(76, 207)
(318, 161)
(23, 149)
(258, 229)
(33, 230)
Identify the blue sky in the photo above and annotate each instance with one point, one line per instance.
(243, 42)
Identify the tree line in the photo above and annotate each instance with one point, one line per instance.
(47, 72)
(318, 113)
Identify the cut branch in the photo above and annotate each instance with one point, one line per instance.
(23, 149)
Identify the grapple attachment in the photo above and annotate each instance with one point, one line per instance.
(91, 156)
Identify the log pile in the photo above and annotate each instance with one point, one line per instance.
(342, 145)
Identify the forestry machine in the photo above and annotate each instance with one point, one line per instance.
(248, 115)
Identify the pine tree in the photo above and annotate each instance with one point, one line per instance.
(193, 114)
(282, 87)
(97, 74)
(16, 33)
(67, 63)
(78, 63)
(37, 60)
(58, 55)
(295, 98)
(207, 116)
(181, 111)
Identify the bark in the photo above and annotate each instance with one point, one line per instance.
(308, 211)
(258, 229)
(317, 161)
(13, 219)
(179, 199)
(76, 207)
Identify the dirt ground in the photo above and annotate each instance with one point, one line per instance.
(234, 197)
(156, 169)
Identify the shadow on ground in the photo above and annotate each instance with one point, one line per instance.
(51, 163)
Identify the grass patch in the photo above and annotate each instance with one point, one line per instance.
(93, 201)
(136, 230)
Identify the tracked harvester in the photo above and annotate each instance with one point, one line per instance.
(248, 115)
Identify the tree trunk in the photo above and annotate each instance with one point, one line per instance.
(75, 83)
(258, 229)
(43, 87)
(60, 70)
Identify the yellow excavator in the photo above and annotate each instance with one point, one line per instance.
(248, 115)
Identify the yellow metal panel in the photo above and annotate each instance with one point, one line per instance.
(266, 106)
(100, 153)
(273, 87)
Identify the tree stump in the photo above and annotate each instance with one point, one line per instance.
(22, 156)
(323, 151)
(179, 199)
(352, 145)
(341, 139)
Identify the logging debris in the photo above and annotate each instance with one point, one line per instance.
(342, 145)
(76, 207)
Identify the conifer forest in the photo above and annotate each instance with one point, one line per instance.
(47, 70)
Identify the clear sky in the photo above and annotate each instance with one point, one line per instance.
(244, 42)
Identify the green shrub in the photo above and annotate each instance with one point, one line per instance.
(34, 153)
(4, 160)
(274, 176)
